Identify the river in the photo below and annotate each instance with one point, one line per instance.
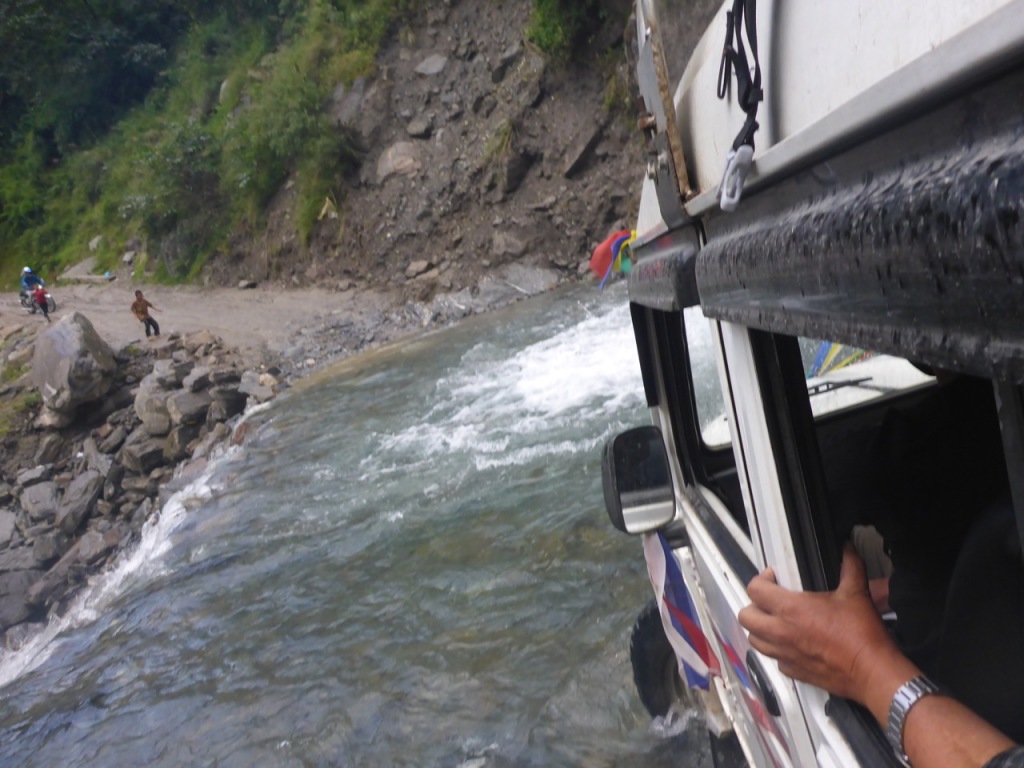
(408, 564)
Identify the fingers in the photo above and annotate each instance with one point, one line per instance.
(766, 594)
(852, 576)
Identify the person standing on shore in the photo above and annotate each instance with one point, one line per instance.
(140, 308)
(39, 296)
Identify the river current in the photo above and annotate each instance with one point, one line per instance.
(408, 564)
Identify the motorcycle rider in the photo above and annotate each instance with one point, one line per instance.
(29, 281)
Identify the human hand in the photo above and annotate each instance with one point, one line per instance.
(834, 640)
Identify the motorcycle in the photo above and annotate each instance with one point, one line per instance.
(28, 301)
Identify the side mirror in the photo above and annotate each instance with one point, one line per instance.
(637, 482)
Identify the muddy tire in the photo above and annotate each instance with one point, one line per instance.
(655, 669)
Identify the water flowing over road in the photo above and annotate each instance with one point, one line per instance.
(408, 564)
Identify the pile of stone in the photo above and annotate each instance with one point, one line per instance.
(114, 434)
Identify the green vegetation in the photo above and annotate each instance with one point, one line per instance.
(501, 142)
(11, 373)
(171, 121)
(560, 27)
(13, 410)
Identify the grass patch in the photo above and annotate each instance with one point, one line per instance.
(12, 373)
(13, 410)
(501, 142)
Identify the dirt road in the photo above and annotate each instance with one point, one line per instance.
(256, 322)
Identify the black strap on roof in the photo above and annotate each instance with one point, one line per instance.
(734, 57)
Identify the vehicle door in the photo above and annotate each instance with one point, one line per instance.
(721, 557)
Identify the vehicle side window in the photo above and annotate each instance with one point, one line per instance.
(699, 417)
(707, 391)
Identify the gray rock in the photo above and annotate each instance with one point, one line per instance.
(250, 383)
(507, 59)
(582, 148)
(507, 244)
(432, 65)
(484, 105)
(171, 373)
(55, 581)
(247, 285)
(188, 407)
(78, 500)
(114, 440)
(94, 546)
(17, 559)
(49, 546)
(141, 484)
(7, 527)
(417, 268)
(225, 375)
(401, 158)
(229, 399)
(96, 459)
(142, 453)
(14, 587)
(5, 493)
(197, 380)
(40, 501)
(72, 365)
(141, 515)
(200, 342)
(530, 281)
(346, 104)
(178, 441)
(151, 406)
(420, 127)
(49, 449)
(34, 475)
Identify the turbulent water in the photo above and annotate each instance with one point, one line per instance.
(408, 564)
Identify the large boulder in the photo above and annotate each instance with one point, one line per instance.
(72, 365)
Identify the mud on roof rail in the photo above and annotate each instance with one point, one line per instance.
(911, 244)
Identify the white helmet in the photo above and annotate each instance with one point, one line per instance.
(26, 270)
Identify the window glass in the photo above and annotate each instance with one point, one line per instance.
(839, 376)
(707, 390)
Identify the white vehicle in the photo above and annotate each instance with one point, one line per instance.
(827, 294)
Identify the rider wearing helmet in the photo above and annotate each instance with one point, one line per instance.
(29, 280)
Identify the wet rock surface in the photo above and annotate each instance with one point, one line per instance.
(107, 469)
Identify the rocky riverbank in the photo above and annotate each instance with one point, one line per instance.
(99, 427)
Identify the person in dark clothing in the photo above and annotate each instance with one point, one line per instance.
(140, 308)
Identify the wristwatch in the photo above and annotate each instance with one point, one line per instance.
(905, 697)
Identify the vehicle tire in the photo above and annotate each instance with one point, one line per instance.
(655, 669)
(51, 305)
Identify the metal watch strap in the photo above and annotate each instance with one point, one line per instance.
(906, 696)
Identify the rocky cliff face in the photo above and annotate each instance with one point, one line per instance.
(479, 153)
